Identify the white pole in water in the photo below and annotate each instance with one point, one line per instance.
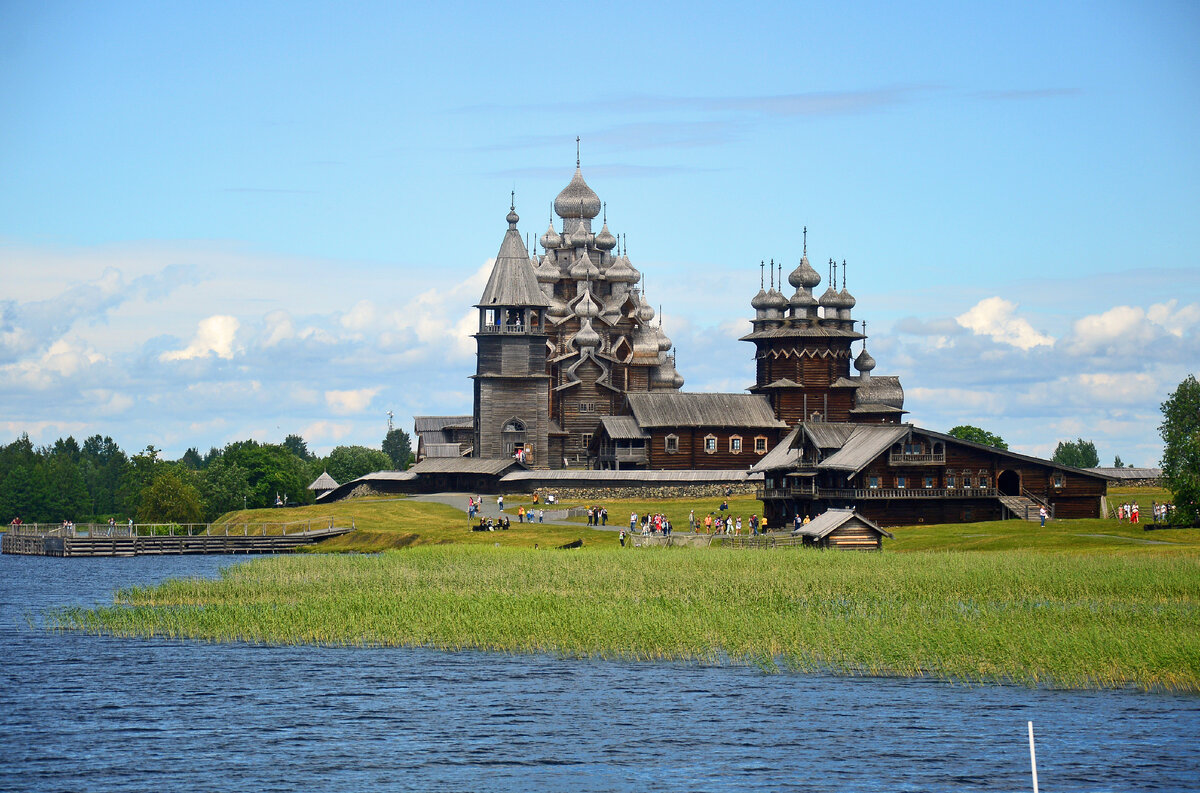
(1032, 758)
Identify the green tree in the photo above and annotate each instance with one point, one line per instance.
(23, 495)
(271, 470)
(170, 499)
(1180, 431)
(966, 432)
(398, 448)
(103, 463)
(298, 446)
(345, 463)
(19, 452)
(225, 486)
(66, 492)
(192, 459)
(135, 478)
(1077, 454)
(1117, 462)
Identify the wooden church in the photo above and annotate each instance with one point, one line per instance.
(573, 372)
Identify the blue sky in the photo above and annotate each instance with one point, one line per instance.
(221, 221)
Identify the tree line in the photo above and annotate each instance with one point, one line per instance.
(97, 480)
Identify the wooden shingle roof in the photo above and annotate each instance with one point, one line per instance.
(672, 409)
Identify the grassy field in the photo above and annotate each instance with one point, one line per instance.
(386, 523)
(1088, 603)
(1006, 616)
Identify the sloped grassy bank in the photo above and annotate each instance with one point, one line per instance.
(1080, 622)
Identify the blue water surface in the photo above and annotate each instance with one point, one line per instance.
(92, 713)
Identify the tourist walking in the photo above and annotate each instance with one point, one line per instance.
(1042, 515)
(632, 521)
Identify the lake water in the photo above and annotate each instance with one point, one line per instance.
(93, 713)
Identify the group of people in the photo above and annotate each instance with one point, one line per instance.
(1128, 512)
(492, 524)
(597, 516)
(475, 508)
(657, 523)
(730, 525)
(1162, 512)
(528, 515)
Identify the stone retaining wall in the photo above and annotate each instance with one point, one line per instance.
(649, 492)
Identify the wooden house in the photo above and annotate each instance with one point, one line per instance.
(843, 529)
(674, 431)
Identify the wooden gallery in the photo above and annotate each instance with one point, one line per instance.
(576, 381)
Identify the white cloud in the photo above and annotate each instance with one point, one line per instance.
(352, 401)
(214, 335)
(319, 431)
(1131, 329)
(279, 328)
(995, 317)
(107, 402)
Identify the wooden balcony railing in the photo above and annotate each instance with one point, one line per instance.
(900, 458)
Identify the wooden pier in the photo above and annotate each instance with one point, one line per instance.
(144, 540)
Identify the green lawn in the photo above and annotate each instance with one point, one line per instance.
(382, 524)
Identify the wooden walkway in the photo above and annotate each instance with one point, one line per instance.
(143, 540)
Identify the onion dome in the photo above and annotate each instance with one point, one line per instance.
(644, 312)
(581, 236)
(845, 299)
(558, 309)
(621, 272)
(551, 239)
(804, 275)
(830, 298)
(605, 241)
(776, 300)
(760, 301)
(586, 336)
(583, 267)
(802, 299)
(678, 380)
(577, 200)
(586, 308)
(546, 272)
(864, 362)
(664, 343)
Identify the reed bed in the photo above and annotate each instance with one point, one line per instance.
(1017, 617)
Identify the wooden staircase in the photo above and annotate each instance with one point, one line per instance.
(1022, 507)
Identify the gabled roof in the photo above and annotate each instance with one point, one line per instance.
(323, 482)
(785, 454)
(1128, 473)
(512, 282)
(622, 428)
(825, 523)
(826, 435)
(865, 443)
(783, 382)
(437, 423)
(464, 465)
(672, 409)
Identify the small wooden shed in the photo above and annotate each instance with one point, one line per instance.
(844, 529)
